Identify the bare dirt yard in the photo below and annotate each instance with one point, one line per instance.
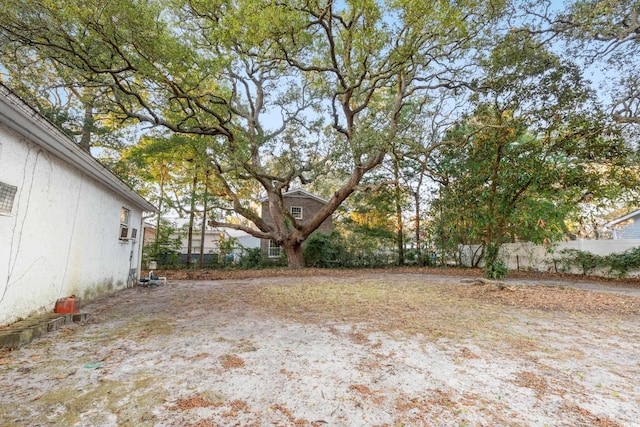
(335, 348)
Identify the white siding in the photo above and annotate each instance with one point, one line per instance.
(629, 229)
(61, 237)
(211, 242)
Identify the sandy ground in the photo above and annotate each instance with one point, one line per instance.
(327, 351)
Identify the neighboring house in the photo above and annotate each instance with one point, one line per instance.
(243, 239)
(68, 226)
(212, 240)
(211, 244)
(149, 233)
(302, 205)
(625, 227)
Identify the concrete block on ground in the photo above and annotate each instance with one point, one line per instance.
(80, 317)
(24, 331)
(37, 327)
(56, 322)
(15, 338)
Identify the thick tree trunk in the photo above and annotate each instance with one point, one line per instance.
(295, 257)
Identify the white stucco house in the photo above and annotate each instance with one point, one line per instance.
(68, 226)
(243, 239)
(625, 227)
(212, 238)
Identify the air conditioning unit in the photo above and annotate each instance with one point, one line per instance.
(124, 232)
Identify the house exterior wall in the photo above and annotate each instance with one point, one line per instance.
(243, 239)
(309, 208)
(149, 234)
(62, 235)
(211, 243)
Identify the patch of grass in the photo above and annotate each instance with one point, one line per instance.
(132, 402)
(407, 306)
(434, 310)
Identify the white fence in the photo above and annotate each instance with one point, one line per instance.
(531, 257)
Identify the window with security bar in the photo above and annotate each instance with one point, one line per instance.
(7, 196)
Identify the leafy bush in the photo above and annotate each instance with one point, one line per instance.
(251, 259)
(584, 260)
(624, 262)
(368, 259)
(618, 264)
(497, 270)
(324, 250)
(165, 258)
(164, 249)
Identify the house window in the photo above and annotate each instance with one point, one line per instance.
(296, 212)
(195, 247)
(274, 249)
(7, 195)
(124, 223)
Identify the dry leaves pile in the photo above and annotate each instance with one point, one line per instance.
(553, 298)
(404, 303)
(548, 298)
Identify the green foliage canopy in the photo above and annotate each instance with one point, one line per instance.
(533, 149)
(287, 92)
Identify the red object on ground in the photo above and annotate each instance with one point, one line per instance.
(69, 304)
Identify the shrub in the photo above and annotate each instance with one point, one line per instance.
(624, 262)
(584, 260)
(251, 259)
(497, 270)
(618, 264)
(324, 250)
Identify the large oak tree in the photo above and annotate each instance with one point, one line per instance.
(284, 91)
